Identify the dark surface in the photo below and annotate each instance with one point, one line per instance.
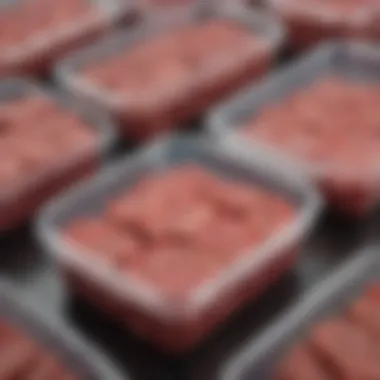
(28, 268)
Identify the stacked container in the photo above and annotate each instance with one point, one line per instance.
(353, 185)
(177, 324)
(312, 21)
(24, 184)
(331, 297)
(156, 76)
(35, 34)
(54, 338)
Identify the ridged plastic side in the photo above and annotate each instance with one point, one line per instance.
(226, 160)
(68, 72)
(16, 199)
(260, 357)
(36, 56)
(352, 61)
(76, 353)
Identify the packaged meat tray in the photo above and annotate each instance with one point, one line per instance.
(47, 142)
(171, 68)
(248, 5)
(172, 240)
(35, 347)
(35, 33)
(331, 333)
(312, 21)
(321, 113)
(164, 12)
(151, 7)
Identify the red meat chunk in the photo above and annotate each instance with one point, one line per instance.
(43, 148)
(194, 66)
(47, 369)
(31, 41)
(349, 351)
(226, 241)
(301, 364)
(24, 21)
(373, 292)
(176, 272)
(233, 198)
(22, 358)
(103, 241)
(168, 205)
(42, 134)
(186, 209)
(176, 233)
(366, 313)
(157, 217)
(306, 20)
(318, 127)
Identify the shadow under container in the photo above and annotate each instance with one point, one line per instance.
(172, 324)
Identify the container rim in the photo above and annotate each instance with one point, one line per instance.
(253, 352)
(148, 298)
(65, 334)
(67, 71)
(111, 12)
(104, 127)
(218, 120)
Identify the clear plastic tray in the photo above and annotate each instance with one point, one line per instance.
(154, 8)
(349, 60)
(260, 357)
(69, 72)
(248, 5)
(257, 8)
(35, 56)
(183, 323)
(18, 202)
(76, 354)
(309, 24)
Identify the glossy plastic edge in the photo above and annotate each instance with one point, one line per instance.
(149, 299)
(112, 11)
(219, 125)
(66, 336)
(104, 126)
(66, 70)
(320, 13)
(293, 320)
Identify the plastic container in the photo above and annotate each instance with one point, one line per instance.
(34, 53)
(19, 202)
(156, 7)
(310, 22)
(350, 192)
(260, 357)
(187, 92)
(179, 324)
(257, 8)
(76, 354)
(248, 5)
